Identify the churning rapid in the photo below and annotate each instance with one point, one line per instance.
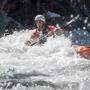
(52, 66)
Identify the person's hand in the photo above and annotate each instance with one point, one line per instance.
(50, 33)
(28, 43)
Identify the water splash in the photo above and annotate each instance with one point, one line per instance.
(52, 66)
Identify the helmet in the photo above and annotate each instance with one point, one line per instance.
(40, 17)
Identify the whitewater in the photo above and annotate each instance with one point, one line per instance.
(53, 66)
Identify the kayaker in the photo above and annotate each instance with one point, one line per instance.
(42, 31)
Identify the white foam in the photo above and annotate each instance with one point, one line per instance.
(55, 54)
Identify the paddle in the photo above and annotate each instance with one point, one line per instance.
(41, 40)
(28, 43)
(71, 21)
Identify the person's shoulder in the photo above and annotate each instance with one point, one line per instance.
(52, 27)
(34, 30)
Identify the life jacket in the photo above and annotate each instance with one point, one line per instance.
(45, 30)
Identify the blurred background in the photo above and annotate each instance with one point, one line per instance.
(24, 11)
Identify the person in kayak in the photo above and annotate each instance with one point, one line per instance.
(42, 31)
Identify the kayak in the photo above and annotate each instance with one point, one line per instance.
(83, 51)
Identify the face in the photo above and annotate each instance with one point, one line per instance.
(39, 23)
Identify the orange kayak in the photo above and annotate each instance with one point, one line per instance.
(82, 51)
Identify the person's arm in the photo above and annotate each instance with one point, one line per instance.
(51, 33)
(33, 38)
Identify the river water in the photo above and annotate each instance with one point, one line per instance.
(52, 66)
